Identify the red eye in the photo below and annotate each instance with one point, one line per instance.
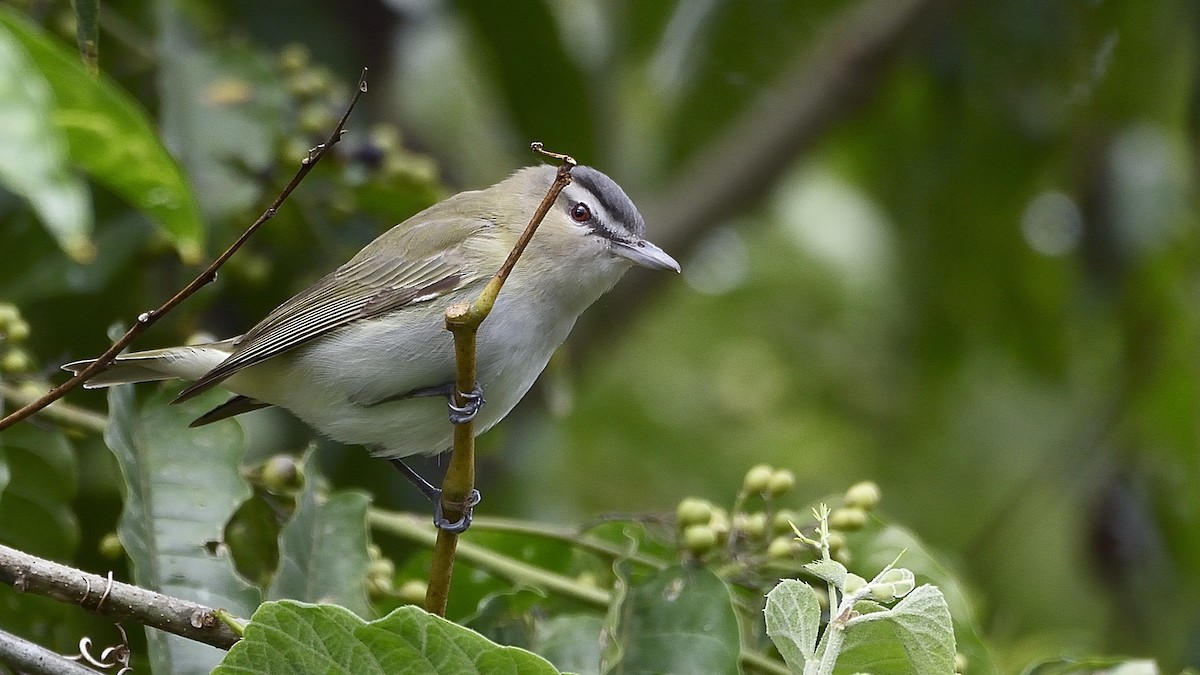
(581, 213)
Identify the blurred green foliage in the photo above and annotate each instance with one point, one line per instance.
(978, 286)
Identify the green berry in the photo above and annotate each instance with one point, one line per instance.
(757, 479)
(837, 541)
(413, 592)
(282, 474)
(293, 58)
(781, 482)
(853, 583)
(8, 314)
(781, 548)
(699, 539)
(783, 521)
(719, 522)
(848, 518)
(864, 495)
(18, 329)
(755, 524)
(111, 546)
(16, 361)
(693, 511)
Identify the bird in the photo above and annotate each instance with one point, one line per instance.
(362, 355)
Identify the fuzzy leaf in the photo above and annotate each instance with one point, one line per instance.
(793, 615)
(292, 637)
(915, 637)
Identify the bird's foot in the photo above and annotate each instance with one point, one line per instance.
(473, 402)
(459, 526)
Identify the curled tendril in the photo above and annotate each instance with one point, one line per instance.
(116, 656)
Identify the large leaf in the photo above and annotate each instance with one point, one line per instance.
(323, 551)
(112, 138)
(34, 158)
(292, 637)
(183, 486)
(679, 620)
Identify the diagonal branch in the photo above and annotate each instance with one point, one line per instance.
(463, 321)
(147, 319)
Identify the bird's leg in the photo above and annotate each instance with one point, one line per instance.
(434, 495)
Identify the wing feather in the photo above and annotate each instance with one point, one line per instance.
(368, 285)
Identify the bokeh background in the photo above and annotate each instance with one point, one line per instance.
(947, 246)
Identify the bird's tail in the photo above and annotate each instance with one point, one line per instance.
(185, 363)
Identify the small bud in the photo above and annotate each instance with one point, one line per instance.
(853, 583)
(18, 329)
(111, 546)
(882, 592)
(413, 592)
(757, 479)
(783, 521)
(842, 555)
(780, 548)
(864, 495)
(901, 580)
(381, 567)
(693, 511)
(848, 519)
(960, 662)
(699, 539)
(755, 524)
(781, 482)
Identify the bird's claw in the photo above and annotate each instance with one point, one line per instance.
(466, 412)
(459, 526)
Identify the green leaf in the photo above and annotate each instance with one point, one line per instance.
(680, 620)
(828, 570)
(292, 637)
(34, 157)
(1095, 666)
(793, 615)
(227, 132)
(183, 486)
(35, 500)
(571, 642)
(323, 551)
(915, 637)
(112, 138)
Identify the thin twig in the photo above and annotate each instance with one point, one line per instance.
(30, 574)
(147, 319)
(463, 321)
(28, 657)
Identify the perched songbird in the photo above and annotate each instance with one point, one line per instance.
(363, 356)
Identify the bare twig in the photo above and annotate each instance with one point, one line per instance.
(27, 657)
(463, 321)
(30, 574)
(147, 319)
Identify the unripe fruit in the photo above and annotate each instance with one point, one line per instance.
(783, 521)
(848, 518)
(755, 524)
(699, 539)
(16, 361)
(282, 474)
(18, 329)
(111, 546)
(781, 482)
(693, 511)
(413, 592)
(780, 548)
(757, 479)
(864, 495)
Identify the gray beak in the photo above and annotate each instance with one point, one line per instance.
(645, 254)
